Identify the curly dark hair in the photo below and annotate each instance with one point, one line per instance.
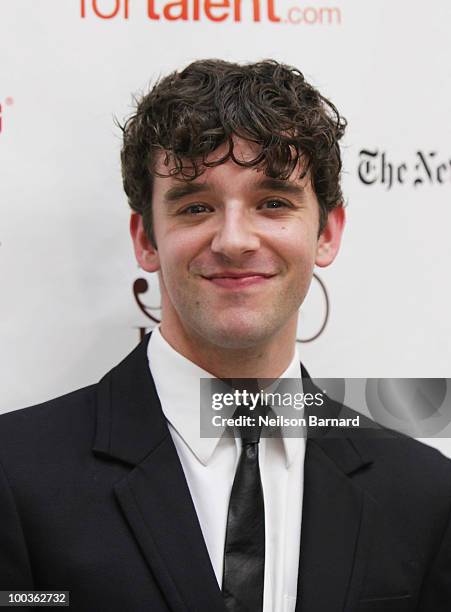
(188, 114)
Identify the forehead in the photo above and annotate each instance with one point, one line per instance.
(228, 172)
(243, 151)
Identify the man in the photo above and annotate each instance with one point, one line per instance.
(233, 174)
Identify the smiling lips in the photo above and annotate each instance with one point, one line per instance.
(238, 280)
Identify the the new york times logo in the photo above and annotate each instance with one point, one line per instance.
(269, 11)
(426, 168)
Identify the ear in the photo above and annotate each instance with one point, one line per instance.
(330, 238)
(146, 254)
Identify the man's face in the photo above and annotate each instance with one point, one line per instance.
(235, 251)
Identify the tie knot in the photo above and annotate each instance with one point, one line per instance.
(250, 432)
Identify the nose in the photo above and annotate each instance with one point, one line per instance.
(236, 234)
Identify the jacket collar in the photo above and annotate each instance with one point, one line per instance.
(130, 421)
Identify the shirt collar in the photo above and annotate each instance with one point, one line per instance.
(177, 383)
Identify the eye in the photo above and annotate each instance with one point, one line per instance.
(275, 204)
(195, 209)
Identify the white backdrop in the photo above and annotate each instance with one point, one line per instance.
(68, 67)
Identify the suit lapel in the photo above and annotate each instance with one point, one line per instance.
(336, 520)
(154, 496)
(158, 507)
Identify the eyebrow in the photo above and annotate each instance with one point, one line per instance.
(283, 186)
(179, 191)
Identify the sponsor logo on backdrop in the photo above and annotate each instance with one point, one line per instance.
(4, 104)
(269, 11)
(314, 320)
(377, 167)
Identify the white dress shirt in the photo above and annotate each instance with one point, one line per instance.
(209, 465)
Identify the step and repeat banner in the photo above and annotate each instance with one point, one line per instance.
(73, 300)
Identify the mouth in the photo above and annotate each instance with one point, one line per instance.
(238, 281)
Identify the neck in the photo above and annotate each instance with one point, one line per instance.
(268, 359)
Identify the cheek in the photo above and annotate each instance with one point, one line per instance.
(175, 258)
(296, 246)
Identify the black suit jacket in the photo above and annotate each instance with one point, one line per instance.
(93, 500)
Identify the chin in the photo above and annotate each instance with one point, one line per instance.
(237, 334)
(236, 342)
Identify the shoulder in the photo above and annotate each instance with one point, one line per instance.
(46, 427)
(409, 480)
(410, 462)
(62, 430)
(397, 456)
(391, 467)
(394, 453)
(402, 455)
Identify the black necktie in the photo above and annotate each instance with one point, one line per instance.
(244, 553)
